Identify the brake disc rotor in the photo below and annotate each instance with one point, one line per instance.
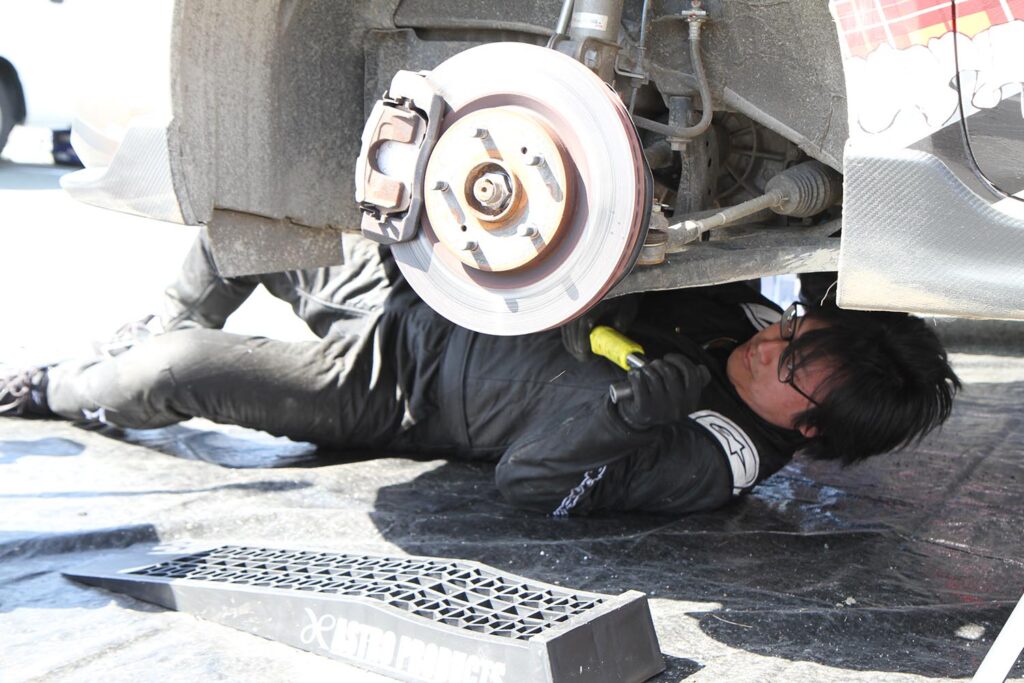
(536, 192)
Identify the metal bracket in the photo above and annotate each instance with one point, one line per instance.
(396, 144)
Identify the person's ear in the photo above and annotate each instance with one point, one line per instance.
(809, 432)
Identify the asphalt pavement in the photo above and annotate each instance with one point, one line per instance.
(901, 569)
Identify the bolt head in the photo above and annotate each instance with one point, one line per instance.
(492, 190)
(439, 185)
(535, 160)
(470, 245)
(479, 133)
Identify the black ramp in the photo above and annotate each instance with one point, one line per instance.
(415, 618)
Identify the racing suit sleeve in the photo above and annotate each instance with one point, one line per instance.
(592, 462)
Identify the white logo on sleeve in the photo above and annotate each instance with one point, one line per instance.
(739, 448)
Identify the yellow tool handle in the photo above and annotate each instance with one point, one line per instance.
(616, 347)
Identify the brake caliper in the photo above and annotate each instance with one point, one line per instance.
(397, 141)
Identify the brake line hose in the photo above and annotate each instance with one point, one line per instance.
(696, 19)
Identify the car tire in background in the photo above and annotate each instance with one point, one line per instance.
(7, 114)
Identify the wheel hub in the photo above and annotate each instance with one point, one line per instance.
(503, 189)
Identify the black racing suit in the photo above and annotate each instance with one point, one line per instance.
(581, 457)
(390, 374)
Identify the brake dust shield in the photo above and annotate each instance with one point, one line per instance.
(536, 193)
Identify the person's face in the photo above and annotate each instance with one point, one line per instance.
(753, 369)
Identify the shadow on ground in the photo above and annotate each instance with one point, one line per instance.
(17, 176)
(909, 563)
(226, 446)
(13, 449)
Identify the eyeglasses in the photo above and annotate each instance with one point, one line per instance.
(788, 327)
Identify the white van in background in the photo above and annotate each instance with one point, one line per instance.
(62, 57)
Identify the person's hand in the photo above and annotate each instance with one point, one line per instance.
(663, 392)
(618, 313)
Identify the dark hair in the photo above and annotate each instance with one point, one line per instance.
(890, 382)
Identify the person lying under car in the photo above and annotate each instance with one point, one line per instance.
(735, 389)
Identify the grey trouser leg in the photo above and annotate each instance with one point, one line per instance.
(334, 299)
(334, 392)
(375, 389)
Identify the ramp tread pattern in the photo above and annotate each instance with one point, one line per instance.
(454, 593)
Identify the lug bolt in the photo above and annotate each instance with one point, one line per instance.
(480, 133)
(470, 245)
(527, 231)
(535, 160)
(439, 185)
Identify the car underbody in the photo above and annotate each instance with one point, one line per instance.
(709, 109)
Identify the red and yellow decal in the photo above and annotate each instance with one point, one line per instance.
(865, 25)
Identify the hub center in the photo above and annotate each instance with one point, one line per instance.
(499, 188)
(491, 191)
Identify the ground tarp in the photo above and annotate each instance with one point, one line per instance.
(902, 568)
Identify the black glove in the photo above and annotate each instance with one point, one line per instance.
(664, 391)
(618, 313)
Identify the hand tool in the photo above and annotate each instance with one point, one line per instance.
(609, 343)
